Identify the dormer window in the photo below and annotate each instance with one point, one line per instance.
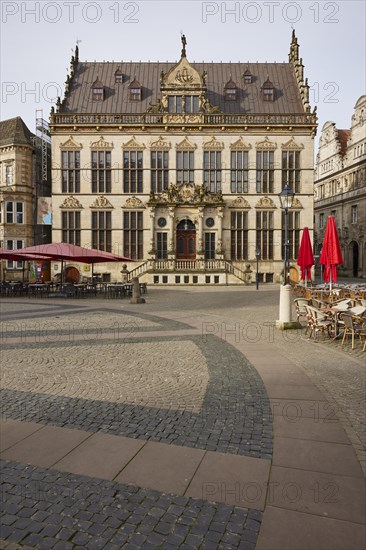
(248, 79)
(230, 90)
(98, 90)
(135, 90)
(118, 77)
(268, 91)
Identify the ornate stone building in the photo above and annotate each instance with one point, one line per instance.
(340, 189)
(179, 165)
(16, 190)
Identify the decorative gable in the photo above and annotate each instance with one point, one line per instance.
(266, 145)
(265, 202)
(240, 145)
(71, 144)
(134, 202)
(101, 144)
(160, 144)
(183, 75)
(133, 144)
(291, 145)
(240, 202)
(101, 202)
(297, 204)
(186, 145)
(213, 145)
(72, 203)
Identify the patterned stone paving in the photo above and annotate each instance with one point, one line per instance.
(50, 509)
(234, 416)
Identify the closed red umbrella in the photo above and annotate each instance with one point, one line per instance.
(331, 254)
(305, 258)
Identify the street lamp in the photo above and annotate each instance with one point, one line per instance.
(257, 254)
(286, 198)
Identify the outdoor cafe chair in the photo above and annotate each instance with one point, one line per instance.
(354, 326)
(300, 304)
(317, 322)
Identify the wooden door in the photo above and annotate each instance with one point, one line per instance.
(186, 245)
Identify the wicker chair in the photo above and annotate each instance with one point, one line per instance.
(300, 304)
(317, 322)
(354, 326)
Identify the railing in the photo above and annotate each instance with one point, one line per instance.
(187, 265)
(165, 118)
(230, 268)
(138, 271)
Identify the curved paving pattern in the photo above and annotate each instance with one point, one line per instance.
(234, 415)
(52, 509)
(127, 373)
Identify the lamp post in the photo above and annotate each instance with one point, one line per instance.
(285, 321)
(286, 198)
(257, 254)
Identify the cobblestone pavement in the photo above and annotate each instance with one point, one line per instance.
(48, 509)
(99, 367)
(249, 315)
(63, 367)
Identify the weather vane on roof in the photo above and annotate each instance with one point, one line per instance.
(184, 43)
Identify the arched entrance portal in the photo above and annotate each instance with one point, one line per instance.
(354, 248)
(72, 275)
(186, 240)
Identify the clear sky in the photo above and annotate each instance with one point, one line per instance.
(38, 38)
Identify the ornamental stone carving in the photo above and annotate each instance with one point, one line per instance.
(266, 145)
(134, 202)
(101, 144)
(160, 144)
(133, 144)
(71, 202)
(71, 145)
(297, 204)
(291, 145)
(213, 145)
(265, 202)
(240, 202)
(240, 145)
(183, 75)
(186, 194)
(101, 202)
(186, 145)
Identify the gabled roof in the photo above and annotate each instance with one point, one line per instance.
(134, 84)
(117, 96)
(97, 84)
(343, 136)
(14, 131)
(268, 83)
(231, 84)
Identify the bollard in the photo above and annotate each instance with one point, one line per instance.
(285, 321)
(136, 295)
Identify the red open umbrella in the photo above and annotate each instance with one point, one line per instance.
(66, 251)
(331, 254)
(15, 255)
(305, 258)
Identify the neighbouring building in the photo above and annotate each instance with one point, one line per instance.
(340, 189)
(178, 166)
(24, 183)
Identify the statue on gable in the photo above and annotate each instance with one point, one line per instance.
(184, 43)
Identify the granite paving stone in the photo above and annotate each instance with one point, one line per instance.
(224, 407)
